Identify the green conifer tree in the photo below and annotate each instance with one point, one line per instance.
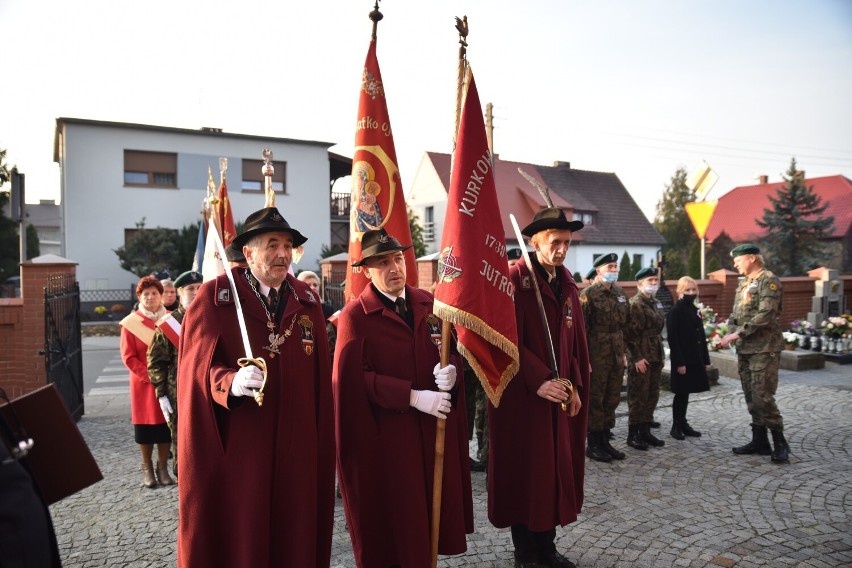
(795, 227)
(624, 273)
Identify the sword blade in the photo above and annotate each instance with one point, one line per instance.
(240, 317)
(534, 278)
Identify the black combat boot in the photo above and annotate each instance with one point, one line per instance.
(677, 430)
(759, 443)
(689, 430)
(594, 449)
(645, 432)
(634, 440)
(607, 447)
(781, 453)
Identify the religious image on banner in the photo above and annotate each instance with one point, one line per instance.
(474, 291)
(377, 198)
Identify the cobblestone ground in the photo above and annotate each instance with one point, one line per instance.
(691, 503)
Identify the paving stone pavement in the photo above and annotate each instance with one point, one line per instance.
(691, 503)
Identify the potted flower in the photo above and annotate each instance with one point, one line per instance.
(791, 340)
(835, 329)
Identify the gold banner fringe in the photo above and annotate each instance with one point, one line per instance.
(475, 324)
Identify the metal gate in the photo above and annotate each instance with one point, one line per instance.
(63, 351)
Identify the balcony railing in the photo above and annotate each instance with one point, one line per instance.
(340, 204)
(429, 231)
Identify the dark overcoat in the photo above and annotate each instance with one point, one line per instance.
(537, 463)
(688, 346)
(385, 448)
(256, 482)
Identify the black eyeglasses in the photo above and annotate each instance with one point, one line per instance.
(11, 428)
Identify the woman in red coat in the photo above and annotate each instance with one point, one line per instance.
(149, 424)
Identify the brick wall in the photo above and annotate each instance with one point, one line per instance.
(22, 362)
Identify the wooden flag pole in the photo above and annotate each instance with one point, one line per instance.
(446, 327)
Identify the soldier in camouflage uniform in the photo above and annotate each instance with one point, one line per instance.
(162, 362)
(756, 332)
(645, 364)
(605, 311)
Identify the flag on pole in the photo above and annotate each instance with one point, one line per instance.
(377, 197)
(222, 221)
(222, 206)
(198, 260)
(474, 291)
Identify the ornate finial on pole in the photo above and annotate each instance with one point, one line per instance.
(212, 198)
(461, 26)
(268, 170)
(376, 16)
(223, 169)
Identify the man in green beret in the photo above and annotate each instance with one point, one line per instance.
(643, 335)
(605, 310)
(162, 361)
(756, 332)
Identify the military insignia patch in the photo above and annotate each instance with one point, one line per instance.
(223, 296)
(622, 299)
(525, 282)
(434, 325)
(448, 269)
(307, 327)
(773, 287)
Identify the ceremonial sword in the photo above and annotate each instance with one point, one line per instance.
(541, 311)
(249, 359)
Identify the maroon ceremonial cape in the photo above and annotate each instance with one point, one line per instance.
(386, 449)
(256, 483)
(537, 453)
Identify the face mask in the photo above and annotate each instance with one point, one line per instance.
(610, 277)
(651, 289)
(690, 298)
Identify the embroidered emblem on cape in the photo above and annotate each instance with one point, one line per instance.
(434, 325)
(448, 269)
(307, 327)
(525, 282)
(224, 296)
(569, 314)
(311, 297)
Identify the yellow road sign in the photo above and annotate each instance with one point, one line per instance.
(700, 213)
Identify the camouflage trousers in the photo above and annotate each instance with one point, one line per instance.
(643, 392)
(759, 377)
(481, 424)
(172, 424)
(605, 393)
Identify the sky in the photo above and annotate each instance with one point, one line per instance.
(638, 88)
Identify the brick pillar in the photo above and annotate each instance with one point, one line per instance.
(729, 280)
(35, 277)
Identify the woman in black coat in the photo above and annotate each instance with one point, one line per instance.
(689, 357)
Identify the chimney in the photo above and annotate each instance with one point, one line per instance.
(560, 164)
(764, 179)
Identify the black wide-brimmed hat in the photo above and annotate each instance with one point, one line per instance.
(550, 218)
(267, 220)
(378, 243)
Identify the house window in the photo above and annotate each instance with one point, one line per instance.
(150, 169)
(584, 216)
(429, 224)
(253, 176)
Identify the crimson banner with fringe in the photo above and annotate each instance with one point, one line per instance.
(474, 291)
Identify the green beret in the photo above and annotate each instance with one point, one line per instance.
(591, 274)
(646, 272)
(606, 259)
(744, 249)
(187, 278)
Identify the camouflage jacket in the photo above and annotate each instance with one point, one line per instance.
(605, 311)
(644, 327)
(162, 362)
(757, 313)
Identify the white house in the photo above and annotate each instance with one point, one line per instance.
(112, 175)
(613, 220)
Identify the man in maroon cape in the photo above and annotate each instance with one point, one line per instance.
(390, 391)
(536, 462)
(257, 482)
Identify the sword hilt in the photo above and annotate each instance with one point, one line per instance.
(260, 364)
(569, 388)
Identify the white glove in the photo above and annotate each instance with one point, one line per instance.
(166, 407)
(445, 378)
(435, 403)
(246, 379)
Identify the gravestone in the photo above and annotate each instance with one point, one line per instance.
(828, 299)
